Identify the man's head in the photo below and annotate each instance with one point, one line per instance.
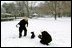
(25, 18)
(45, 33)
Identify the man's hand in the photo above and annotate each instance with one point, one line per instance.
(40, 36)
(17, 25)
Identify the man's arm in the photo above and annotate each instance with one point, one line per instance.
(27, 23)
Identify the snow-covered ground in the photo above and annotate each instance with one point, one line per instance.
(59, 29)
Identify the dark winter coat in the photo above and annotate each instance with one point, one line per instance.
(23, 22)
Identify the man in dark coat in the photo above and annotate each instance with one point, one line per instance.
(22, 27)
(45, 38)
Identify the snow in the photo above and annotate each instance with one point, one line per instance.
(59, 29)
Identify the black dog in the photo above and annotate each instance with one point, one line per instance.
(45, 38)
(33, 35)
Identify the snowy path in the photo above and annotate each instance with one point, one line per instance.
(60, 31)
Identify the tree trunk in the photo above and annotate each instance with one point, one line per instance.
(55, 11)
(27, 9)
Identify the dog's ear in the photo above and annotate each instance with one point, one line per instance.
(32, 32)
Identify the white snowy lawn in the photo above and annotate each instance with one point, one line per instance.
(59, 29)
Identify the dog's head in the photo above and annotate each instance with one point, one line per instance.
(32, 32)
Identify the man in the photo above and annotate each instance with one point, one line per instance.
(45, 38)
(22, 27)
